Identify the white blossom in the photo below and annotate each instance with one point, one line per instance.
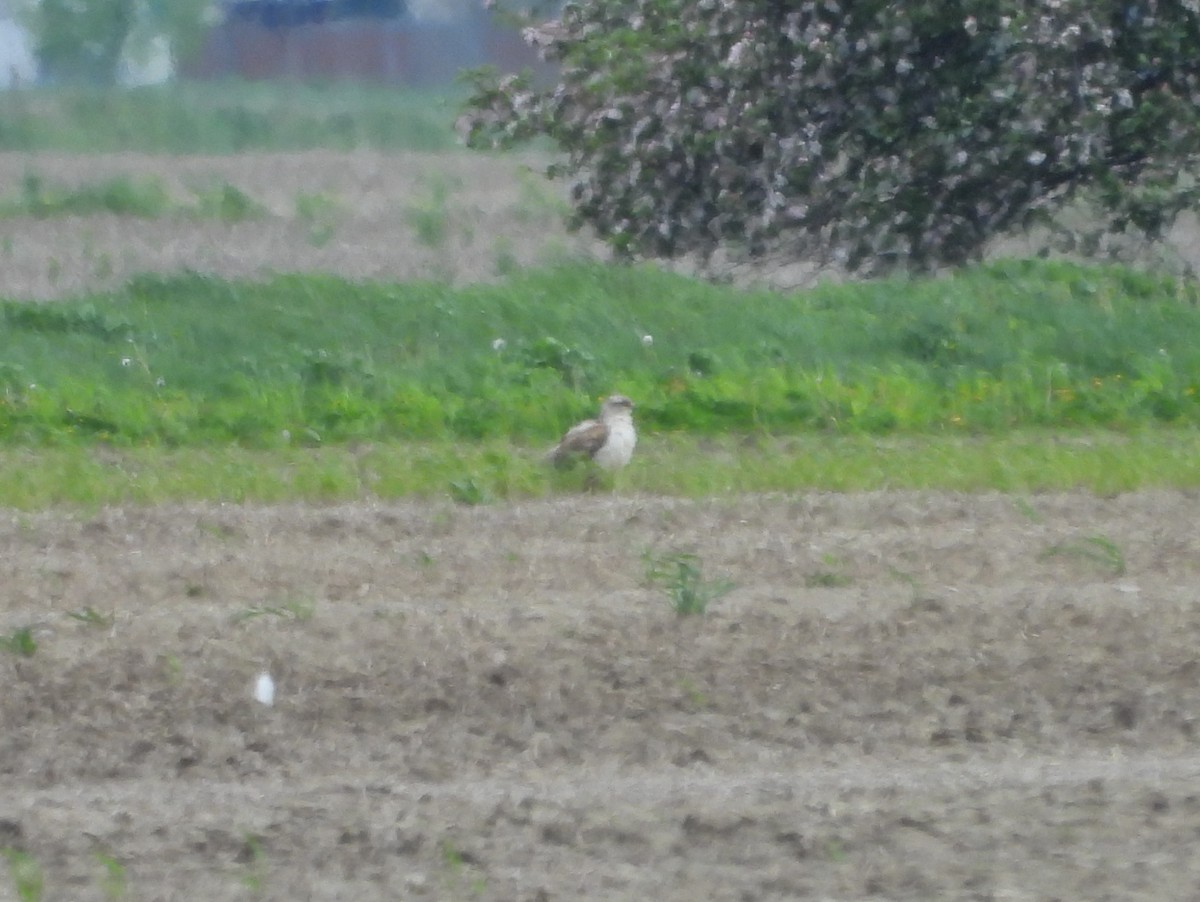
(737, 53)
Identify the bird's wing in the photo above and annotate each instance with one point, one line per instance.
(587, 438)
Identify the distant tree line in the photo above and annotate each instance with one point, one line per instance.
(84, 41)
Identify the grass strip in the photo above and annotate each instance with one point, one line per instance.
(226, 117)
(667, 464)
(191, 361)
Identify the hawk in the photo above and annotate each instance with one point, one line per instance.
(608, 440)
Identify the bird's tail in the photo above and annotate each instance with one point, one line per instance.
(557, 458)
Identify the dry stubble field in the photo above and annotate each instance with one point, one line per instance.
(908, 696)
(495, 209)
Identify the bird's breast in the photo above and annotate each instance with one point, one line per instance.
(618, 449)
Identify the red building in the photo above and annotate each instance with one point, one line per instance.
(356, 40)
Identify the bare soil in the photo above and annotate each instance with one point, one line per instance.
(906, 696)
(353, 214)
(459, 217)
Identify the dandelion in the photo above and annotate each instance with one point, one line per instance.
(264, 689)
(647, 341)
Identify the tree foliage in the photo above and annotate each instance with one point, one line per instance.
(86, 40)
(871, 132)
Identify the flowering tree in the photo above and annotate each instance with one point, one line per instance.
(870, 132)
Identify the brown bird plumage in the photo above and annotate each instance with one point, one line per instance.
(608, 440)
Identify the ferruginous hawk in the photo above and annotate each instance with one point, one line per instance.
(608, 440)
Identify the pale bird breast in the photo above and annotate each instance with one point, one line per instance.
(618, 449)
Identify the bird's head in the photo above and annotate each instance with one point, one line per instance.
(616, 404)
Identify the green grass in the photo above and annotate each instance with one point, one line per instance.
(122, 196)
(146, 198)
(308, 361)
(674, 464)
(229, 117)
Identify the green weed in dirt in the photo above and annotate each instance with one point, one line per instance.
(146, 198)
(20, 642)
(26, 874)
(122, 196)
(461, 871)
(1100, 550)
(297, 609)
(91, 617)
(320, 213)
(430, 215)
(114, 881)
(255, 866)
(227, 203)
(680, 576)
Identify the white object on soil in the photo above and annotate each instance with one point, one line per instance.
(264, 689)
